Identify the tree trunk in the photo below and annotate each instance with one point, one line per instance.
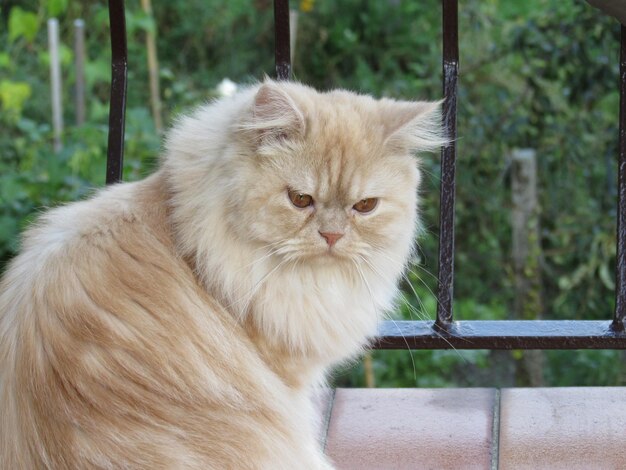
(153, 70)
(528, 303)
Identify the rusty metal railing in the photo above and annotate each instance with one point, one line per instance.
(444, 332)
(117, 107)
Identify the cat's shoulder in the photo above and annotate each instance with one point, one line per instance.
(116, 236)
(107, 212)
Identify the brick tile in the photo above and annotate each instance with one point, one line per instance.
(563, 428)
(411, 429)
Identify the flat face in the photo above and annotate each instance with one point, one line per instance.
(336, 174)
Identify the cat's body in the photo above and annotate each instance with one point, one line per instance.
(184, 321)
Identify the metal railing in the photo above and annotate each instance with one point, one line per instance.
(444, 332)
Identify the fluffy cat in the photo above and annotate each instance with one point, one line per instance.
(183, 321)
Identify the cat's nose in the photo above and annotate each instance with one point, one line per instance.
(331, 238)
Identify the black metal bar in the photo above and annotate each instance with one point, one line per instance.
(282, 47)
(448, 162)
(530, 334)
(620, 267)
(117, 106)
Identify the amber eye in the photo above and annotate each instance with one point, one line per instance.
(299, 199)
(366, 205)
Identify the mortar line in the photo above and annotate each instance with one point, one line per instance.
(495, 431)
(327, 417)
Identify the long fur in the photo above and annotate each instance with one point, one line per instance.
(184, 321)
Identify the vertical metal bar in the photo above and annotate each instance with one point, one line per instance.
(79, 67)
(281, 37)
(448, 163)
(55, 82)
(117, 107)
(620, 268)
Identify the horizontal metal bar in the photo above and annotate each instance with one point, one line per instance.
(530, 334)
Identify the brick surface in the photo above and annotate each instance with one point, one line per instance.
(411, 429)
(563, 428)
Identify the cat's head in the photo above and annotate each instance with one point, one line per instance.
(332, 176)
(299, 208)
(313, 177)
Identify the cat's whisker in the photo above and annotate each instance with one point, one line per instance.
(426, 271)
(408, 267)
(429, 319)
(367, 286)
(418, 299)
(268, 245)
(254, 291)
(430, 173)
(247, 297)
(375, 271)
(421, 314)
(257, 261)
(422, 305)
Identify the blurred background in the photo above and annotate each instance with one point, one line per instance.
(538, 75)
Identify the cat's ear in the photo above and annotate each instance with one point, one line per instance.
(413, 126)
(275, 117)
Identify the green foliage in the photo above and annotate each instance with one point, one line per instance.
(56, 7)
(22, 24)
(541, 74)
(12, 98)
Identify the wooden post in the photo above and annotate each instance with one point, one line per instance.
(153, 70)
(293, 33)
(527, 253)
(79, 65)
(55, 82)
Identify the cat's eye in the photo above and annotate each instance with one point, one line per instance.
(366, 205)
(299, 199)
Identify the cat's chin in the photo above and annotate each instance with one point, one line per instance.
(328, 257)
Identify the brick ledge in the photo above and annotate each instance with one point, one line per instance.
(477, 428)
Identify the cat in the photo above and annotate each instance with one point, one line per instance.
(184, 321)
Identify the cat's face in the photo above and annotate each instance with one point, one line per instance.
(331, 179)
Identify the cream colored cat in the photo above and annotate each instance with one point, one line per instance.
(183, 321)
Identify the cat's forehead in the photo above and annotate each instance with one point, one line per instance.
(343, 156)
(345, 145)
(342, 119)
(347, 173)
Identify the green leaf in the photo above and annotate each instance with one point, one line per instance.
(13, 95)
(57, 7)
(22, 23)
